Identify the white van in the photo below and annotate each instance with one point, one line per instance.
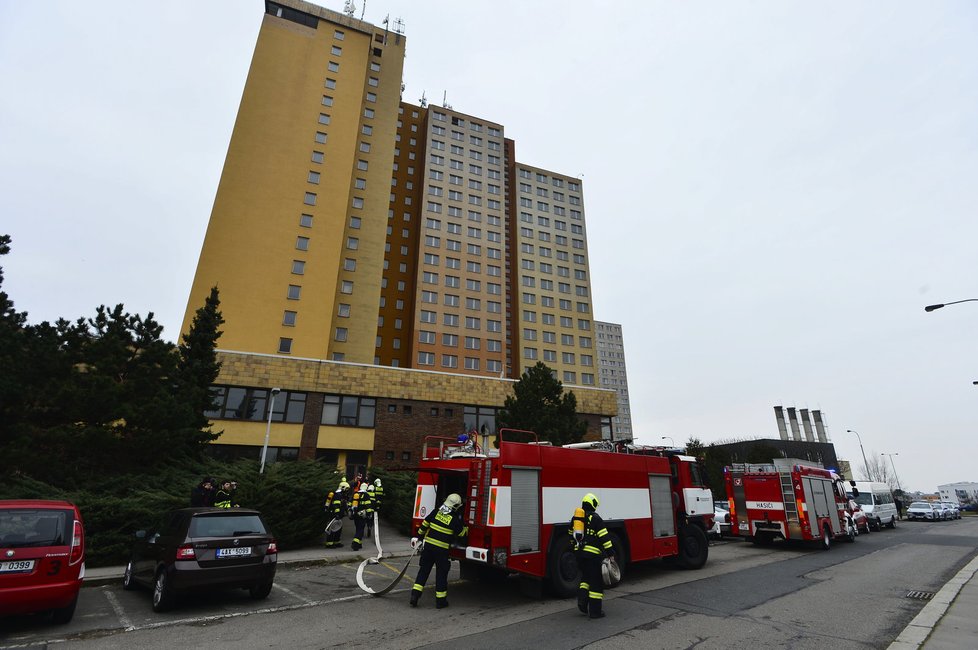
(877, 502)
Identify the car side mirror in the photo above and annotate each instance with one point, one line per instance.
(140, 534)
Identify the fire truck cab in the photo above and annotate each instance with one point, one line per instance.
(796, 503)
(519, 498)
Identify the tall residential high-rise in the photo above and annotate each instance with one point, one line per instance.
(351, 227)
(611, 360)
(297, 234)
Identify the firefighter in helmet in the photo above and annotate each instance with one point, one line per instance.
(436, 534)
(361, 509)
(591, 544)
(335, 507)
(378, 494)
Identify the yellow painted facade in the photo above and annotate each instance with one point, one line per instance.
(316, 125)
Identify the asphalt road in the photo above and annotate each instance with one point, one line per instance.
(853, 596)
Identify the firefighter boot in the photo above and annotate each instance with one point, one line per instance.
(441, 603)
(415, 597)
(582, 600)
(594, 608)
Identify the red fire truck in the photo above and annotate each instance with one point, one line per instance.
(519, 500)
(796, 503)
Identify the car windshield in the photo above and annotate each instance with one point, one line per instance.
(26, 527)
(865, 499)
(222, 525)
(920, 504)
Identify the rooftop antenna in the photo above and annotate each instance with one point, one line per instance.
(444, 101)
(349, 8)
(363, 9)
(423, 100)
(398, 30)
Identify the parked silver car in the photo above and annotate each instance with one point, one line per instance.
(922, 510)
(954, 512)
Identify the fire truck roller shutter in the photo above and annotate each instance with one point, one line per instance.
(663, 519)
(525, 505)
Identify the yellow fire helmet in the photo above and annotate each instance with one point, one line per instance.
(591, 500)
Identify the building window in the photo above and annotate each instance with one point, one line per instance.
(289, 318)
(426, 358)
(343, 311)
(293, 292)
(298, 267)
(302, 243)
(341, 333)
(349, 411)
(285, 346)
(310, 199)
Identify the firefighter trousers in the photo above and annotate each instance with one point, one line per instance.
(432, 556)
(591, 589)
(333, 539)
(360, 523)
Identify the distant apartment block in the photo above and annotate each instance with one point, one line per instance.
(614, 376)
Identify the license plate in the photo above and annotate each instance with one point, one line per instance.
(234, 552)
(17, 566)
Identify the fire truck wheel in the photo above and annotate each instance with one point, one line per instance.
(693, 547)
(563, 574)
(826, 543)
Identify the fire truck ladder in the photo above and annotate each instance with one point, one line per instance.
(788, 496)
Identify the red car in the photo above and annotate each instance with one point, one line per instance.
(42, 557)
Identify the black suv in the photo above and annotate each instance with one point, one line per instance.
(203, 548)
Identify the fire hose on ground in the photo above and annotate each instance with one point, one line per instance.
(376, 560)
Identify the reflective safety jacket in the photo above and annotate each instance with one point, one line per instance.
(222, 499)
(378, 491)
(596, 538)
(440, 529)
(335, 503)
(361, 503)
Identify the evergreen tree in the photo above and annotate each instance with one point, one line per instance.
(198, 356)
(539, 404)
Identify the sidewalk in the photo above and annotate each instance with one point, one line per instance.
(392, 542)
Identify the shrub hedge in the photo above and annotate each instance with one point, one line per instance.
(289, 495)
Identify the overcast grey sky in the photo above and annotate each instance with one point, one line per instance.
(773, 190)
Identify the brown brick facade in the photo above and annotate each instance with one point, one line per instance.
(411, 404)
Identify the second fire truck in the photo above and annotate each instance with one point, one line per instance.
(518, 502)
(796, 503)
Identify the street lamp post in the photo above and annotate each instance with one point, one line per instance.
(865, 462)
(895, 475)
(944, 304)
(671, 441)
(268, 429)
